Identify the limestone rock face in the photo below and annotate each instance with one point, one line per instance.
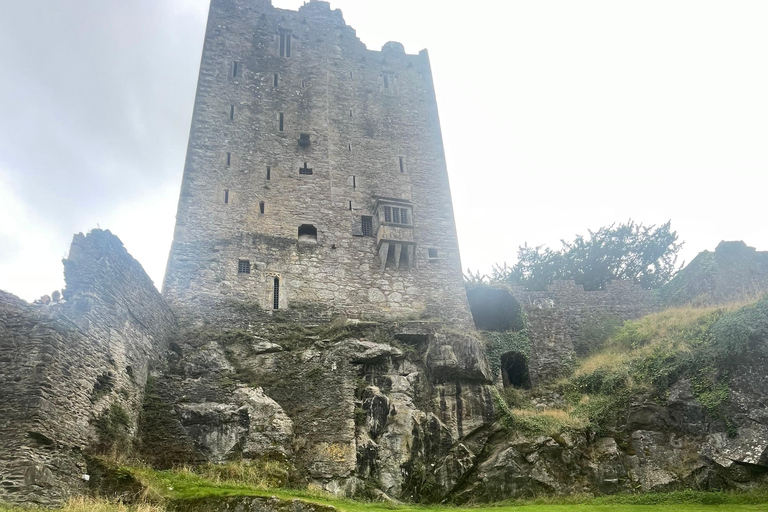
(368, 407)
(251, 426)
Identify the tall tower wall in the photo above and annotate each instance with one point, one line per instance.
(315, 174)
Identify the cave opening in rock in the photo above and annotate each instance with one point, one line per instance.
(514, 370)
(494, 308)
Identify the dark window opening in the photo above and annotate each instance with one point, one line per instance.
(354, 182)
(275, 80)
(226, 196)
(304, 140)
(367, 225)
(432, 253)
(231, 111)
(302, 82)
(401, 159)
(276, 294)
(261, 206)
(269, 173)
(285, 43)
(349, 147)
(350, 113)
(307, 233)
(243, 267)
(514, 370)
(235, 69)
(229, 158)
(280, 121)
(305, 170)
(350, 205)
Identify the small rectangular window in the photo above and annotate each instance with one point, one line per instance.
(269, 173)
(229, 158)
(401, 159)
(367, 225)
(243, 267)
(231, 111)
(303, 83)
(280, 122)
(235, 69)
(226, 196)
(350, 205)
(261, 207)
(432, 253)
(305, 170)
(354, 182)
(387, 214)
(275, 80)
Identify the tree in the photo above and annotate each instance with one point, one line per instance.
(646, 255)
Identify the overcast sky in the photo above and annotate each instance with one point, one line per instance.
(557, 116)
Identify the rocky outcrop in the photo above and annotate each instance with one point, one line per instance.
(363, 406)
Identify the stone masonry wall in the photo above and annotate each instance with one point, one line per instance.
(64, 364)
(374, 140)
(556, 316)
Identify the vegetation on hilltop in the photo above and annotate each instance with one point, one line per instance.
(646, 255)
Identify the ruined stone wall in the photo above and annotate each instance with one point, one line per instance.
(733, 271)
(65, 364)
(374, 141)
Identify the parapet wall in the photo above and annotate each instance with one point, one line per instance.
(65, 364)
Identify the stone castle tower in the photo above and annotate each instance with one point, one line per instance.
(315, 174)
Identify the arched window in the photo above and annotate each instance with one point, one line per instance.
(307, 233)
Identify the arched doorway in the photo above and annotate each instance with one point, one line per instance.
(514, 370)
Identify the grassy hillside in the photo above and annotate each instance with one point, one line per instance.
(645, 357)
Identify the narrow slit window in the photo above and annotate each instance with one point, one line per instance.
(401, 160)
(275, 80)
(229, 158)
(269, 173)
(303, 83)
(280, 122)
(354, 182)
(349, 147)
(261, 206)
(231, 111)
(367, 225)
(226, 196)
(235, 69)
(350, 205)
(285, 43)
(243, 267)
(350, 113)
(276, 294)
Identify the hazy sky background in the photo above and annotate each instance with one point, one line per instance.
(557, 117)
